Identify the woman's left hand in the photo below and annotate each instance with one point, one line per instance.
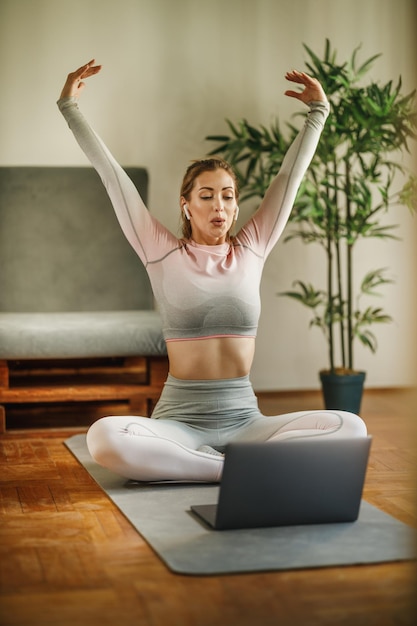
(75, 80)
(312, 88)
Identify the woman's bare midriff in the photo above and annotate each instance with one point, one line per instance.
(211, 359)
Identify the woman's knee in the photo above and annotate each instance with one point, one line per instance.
(331, 423)
(337, 424)
(352, 425)
(100, 438)
(105, 437)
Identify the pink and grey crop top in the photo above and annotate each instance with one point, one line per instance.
(203, 291)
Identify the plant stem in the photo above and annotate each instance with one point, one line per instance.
(330, 302)
(349, 277)
(337, 244)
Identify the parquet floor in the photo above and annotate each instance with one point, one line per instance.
(68, 557)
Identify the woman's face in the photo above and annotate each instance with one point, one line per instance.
(212, 207)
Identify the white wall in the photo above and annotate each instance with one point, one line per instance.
(173, 71)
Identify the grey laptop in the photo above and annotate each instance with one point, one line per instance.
(286, 483)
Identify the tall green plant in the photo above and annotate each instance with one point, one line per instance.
(350, 185)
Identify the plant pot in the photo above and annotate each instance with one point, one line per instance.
(342, 391)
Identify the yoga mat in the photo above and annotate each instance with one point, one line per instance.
(161, 514)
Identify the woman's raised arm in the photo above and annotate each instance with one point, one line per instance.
(145, 234)
(266, 226)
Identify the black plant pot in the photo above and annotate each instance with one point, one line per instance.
(343, 391)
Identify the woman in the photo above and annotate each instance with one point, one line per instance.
(207, 289)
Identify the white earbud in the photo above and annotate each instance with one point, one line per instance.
(187, 215)
(236, 213)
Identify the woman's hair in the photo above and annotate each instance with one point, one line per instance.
(193, 171)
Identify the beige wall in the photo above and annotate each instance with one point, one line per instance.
(173, 70)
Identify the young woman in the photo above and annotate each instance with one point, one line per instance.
(207, 288)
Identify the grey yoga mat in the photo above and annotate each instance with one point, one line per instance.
(161, 514)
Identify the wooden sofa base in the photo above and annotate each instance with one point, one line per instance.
(132, 383)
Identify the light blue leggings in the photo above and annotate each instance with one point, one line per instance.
(190, 414)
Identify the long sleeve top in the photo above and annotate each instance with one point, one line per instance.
(203, 291)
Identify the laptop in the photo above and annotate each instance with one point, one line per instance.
(287, 483)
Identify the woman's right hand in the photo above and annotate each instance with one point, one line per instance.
(74, 83)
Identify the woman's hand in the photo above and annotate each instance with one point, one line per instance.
(312, 88)
(74, 83)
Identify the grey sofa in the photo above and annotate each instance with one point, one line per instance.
(77, 320)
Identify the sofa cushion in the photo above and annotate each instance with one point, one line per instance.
(61, 247)
(80, 335)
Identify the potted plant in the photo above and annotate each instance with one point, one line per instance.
(350, 185)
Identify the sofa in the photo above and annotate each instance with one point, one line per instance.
(79, 333)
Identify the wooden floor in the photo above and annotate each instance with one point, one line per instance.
(69, 558)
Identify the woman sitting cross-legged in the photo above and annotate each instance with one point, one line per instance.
(206, 284)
